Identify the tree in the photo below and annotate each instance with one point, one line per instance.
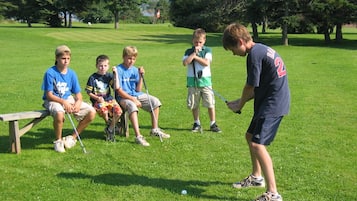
(211, 15)
(326, 14)
(117, 6)
(25, 10)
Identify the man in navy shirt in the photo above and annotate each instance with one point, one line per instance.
(267, 84)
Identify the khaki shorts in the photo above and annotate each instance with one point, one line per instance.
(130, 106)
(196, 93)
(55, 107)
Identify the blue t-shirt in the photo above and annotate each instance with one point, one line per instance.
(66, 84)
(266, 71)
(128, 79)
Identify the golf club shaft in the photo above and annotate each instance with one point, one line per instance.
(152, 110)
(70, 119)
(219, 95)
(222, 98)
(75, 130)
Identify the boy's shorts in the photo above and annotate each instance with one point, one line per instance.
(108, 107)
(130, 106)
(196, 93)
(264, 130)
(55, 107)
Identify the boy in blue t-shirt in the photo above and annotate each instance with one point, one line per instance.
(267, 84)
(131, 98)
(62, 93)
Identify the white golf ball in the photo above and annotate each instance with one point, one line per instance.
(183, 192)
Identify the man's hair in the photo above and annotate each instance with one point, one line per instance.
(101, 58)
(130, 51)
(232, 33)
(198, 33)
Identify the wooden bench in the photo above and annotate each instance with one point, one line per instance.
(15, 132)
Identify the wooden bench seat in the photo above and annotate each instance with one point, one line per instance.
(15, 132)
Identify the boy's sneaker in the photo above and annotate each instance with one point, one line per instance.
(141, 140)
(69, 142)
(158, 132)
(269, 197)
(250, 181)
(196, 128)
(214, 128)
(59, 146)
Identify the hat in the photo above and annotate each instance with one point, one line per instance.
(62, 49)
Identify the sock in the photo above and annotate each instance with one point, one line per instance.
(212, 122)
(198, 122)
(257, 178)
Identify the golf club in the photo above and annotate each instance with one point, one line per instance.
(70, 119)
(152, 110)
(222, 98)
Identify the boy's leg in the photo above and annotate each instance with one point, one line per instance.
(209, 102)
(266, 164)
(256, 169)
(132, 110)
(85, 116)
(58, 120)
(264, 132)
(57, 113)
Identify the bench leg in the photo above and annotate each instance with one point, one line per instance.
(14, 137)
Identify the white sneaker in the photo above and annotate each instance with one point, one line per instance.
(59, 146)
(141, 140)
(69, 142)
(157, 132)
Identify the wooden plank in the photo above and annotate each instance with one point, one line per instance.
(24, 115)
(14, 137)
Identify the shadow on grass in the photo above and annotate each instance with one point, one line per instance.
(271, 39)
(35, 140)
(193, 187)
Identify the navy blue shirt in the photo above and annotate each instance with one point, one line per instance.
(266, 71)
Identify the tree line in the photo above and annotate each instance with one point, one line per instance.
(291, 16)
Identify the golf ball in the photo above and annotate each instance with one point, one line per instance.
(183, 192)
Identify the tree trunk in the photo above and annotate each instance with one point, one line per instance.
(28, 21)
(339, 36)
(264, 25)
(116, 20)
(285, 25)
(65, 18)
(255, 31)
(285, 35)
(70, 20)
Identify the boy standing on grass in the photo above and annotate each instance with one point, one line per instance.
(198, 60)
(59, 83)
(130, 96)
(98, 89)
(267, 84)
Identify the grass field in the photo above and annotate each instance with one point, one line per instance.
(314, 153)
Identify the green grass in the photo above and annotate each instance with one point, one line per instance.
(314, 153)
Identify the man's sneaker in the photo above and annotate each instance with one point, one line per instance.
(69, 142)
(249, 182)
(59, 146)
(196, 128)
(141, 140)
(214, 128)
(110, 134)
(158, 132)
(269, 197)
